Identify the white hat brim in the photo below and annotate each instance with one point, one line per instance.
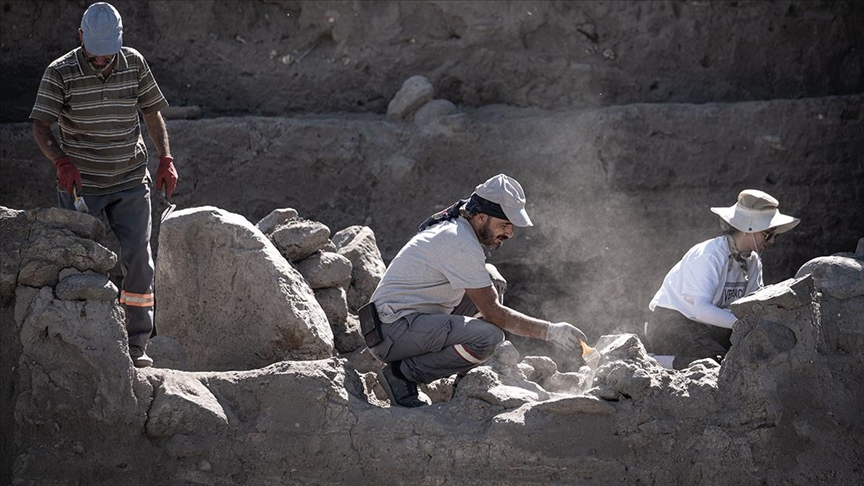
(756, 222)
(519, 217)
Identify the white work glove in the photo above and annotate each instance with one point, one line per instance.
(565, 334)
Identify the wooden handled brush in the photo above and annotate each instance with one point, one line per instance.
(590, 355)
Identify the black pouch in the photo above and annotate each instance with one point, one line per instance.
(370, 325)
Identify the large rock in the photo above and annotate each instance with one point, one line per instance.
(77, 391)
(230, 298)
(840, 277)
(75, 355)
(778, 330)
(183, 405)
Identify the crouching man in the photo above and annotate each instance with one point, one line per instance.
(440, 306)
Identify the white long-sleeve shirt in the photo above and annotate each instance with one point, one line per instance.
(704, 282)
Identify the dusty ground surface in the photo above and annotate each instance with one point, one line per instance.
(625, 121)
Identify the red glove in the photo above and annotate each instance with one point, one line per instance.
(166, 175)
(67, 174)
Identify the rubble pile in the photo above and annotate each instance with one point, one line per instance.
(234, 296)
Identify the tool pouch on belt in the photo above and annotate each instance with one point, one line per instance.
(370, 325)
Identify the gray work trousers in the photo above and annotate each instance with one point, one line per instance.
(129, 215)
(433, 346)
(669, 332)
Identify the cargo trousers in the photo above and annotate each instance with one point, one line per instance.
(434, 346)
(129, 215)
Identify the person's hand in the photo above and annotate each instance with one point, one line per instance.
(166, 175)
(67, 174)
(565, 334)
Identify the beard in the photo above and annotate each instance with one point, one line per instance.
(487, 238)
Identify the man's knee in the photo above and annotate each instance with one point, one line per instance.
(484, 347)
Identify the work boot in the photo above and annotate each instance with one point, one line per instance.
(139, 357)
(401, 392)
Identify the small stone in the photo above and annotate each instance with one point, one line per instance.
(85, 287)
(608, 394)
(276, 217)
(415, 92)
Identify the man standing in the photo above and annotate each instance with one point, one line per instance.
(440, 313)
(95, 92)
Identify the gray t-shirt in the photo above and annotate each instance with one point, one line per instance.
(431, 272)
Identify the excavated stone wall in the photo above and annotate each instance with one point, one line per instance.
(784, 407)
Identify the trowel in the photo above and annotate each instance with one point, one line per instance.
(80, 205)
(167, 210)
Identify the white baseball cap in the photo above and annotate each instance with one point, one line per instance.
(507, 193)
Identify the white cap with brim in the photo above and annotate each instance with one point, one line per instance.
(102, 30)
(756, 211)
(506, 192)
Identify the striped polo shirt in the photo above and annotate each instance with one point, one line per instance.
(98, 117)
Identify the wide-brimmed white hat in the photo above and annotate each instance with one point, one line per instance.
(756, 211)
